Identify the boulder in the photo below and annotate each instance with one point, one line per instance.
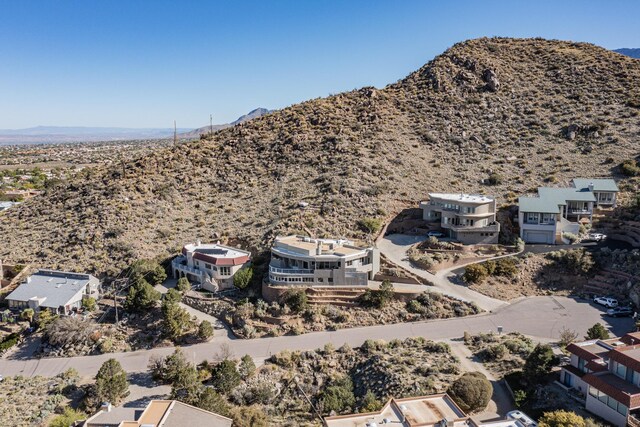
(491, 80)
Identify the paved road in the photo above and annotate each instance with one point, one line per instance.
(395, 247)
(538, 317)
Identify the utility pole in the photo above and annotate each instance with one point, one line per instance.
(175, 133)
(211, 124)
(118, 284)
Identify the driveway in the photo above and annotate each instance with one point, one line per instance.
(539, 317)
(395, 247)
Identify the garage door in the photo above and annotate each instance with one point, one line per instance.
(538, 237)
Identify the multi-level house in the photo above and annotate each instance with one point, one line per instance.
(211, 265)
(468, 218)
(299, 260)
(556, 211)
(59, 291)
(606, 373)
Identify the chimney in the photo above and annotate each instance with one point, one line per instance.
(591, 186)
(319, 248)
(106, 407)
(198, 243)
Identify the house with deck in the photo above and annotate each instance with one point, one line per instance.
(468, 218)
(61, 292)
(606, 375)
(210, 265)
(305, 261)
(555, 212)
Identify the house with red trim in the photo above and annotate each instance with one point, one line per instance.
(606, 374)
(210, 265)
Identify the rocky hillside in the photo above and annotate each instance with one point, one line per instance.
(525, 111)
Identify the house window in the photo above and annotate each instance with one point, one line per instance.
(207, 266)
(470, 209)
(620, 370)
(548, 218)
(531, 218)
(581, 365)
(225, 271)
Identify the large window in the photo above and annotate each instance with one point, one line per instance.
(531, 217)
(224, 271)
(608, 400)
(620, 370)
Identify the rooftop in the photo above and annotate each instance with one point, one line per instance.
(159, 413)
(418, 411)
(54, 288)
(461, 197)
(599, 184)
(215, 250)
(623, 391)
(549, 199)
(297, 245)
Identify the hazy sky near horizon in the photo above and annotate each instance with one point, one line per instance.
(135, 63)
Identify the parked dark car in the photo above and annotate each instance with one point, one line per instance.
(620, 312)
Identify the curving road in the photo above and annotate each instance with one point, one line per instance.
(539, 317)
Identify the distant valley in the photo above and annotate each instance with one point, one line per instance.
(632, 52)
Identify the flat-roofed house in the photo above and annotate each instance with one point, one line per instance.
(468, 218)
(437, 410)
(607, 374)
(158, 413)
(556, 211)
(59, 291)
(300, 260)
(211, 265)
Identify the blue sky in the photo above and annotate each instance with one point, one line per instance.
(138, 63)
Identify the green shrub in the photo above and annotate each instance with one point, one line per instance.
(205, 330)
(506, 267)
(539, 363)
(370, 225)
(296, 299)
(472, 391)
(494, 179)
(148, 269)
(338, 396)
(111, 382)
(475, 273)
(225, 376)
(183, 285)
(576, 261)
(243, 278)
(89, 304)
(9, 341)
(67, 418)
(630, 167)
(378, 298)
(597, 332)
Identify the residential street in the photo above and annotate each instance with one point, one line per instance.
(539, 317)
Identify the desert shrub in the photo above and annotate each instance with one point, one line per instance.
(378, 298)
(69, 331)
(27, 314)
(519, 244)
(561, 418)
(630, 167)
(494, 352)
(205, 330)
(210, 400)
(45, 317)
(567, 336)
(370, 225)
(506, 267)
(296, 299)
(249, 416)
(475, 273)
(494, 179)
(9, 341)
(472, 391)
(243, 277)
(111, 382)
(338, 396)
(597, 332)
(67, 418)
(246, 367)
(576, 261)
(572, 238)
(370, 402)
(539, 363)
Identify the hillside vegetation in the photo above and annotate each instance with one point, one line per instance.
(523, 112)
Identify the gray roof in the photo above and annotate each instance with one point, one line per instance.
(180, 415)
(538, 204)
(56, 287)
(114, 417)
(599, 184)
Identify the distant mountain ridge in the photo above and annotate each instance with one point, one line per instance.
(245, 118)
(61, 134)
(632, 52)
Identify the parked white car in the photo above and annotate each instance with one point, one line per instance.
(435, 234)
(597, 237)
(606, 301)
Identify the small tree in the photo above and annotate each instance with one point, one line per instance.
(249, 416)
(225, 376)
(472, 391)
(539, 363)
(561, 418)
(89, 304)
(567, 336)
(111, 382)
(175, 320)
(205, 330)
(378, 298)
(141, 296)
(243, 277)
(27, 314)
(150, 270)
(370, 402)
(338, 396)
(212, 401)
(172, 296)
(183, 285)
(45, 317)
(597, 332)
(247, 367)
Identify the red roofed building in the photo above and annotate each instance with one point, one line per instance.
(210, 265)
(607, 374)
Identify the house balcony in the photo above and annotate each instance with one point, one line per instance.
(491, 228)
(180, 264)
(296, 271)
(571, 211)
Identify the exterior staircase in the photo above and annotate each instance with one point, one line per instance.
(609, 282)
(340, 296)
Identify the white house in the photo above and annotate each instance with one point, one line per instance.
(59, 291)
(300, 260)
(211, 265)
